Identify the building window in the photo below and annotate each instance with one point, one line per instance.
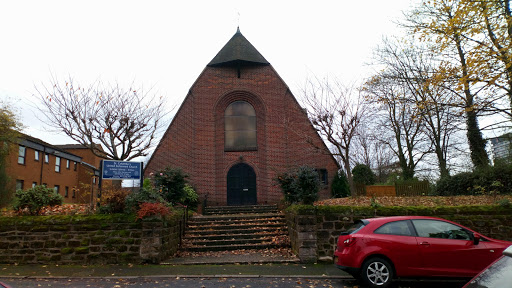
(21, 155)
(74, 166)
(323, 176)
(34, 184)
(56, 188)
(36, 155)
(66, 191)
(67, 164)
(19, 184)
(74, 192)
(240, 127)
(46, 158)
(57, 164)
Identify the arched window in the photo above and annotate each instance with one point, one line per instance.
(240, 127)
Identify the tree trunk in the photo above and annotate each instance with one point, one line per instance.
(476, 142)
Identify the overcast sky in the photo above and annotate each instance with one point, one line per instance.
(167, 44)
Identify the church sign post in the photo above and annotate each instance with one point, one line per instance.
(120, 170)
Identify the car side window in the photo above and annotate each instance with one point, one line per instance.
(394, 228)
(440, 229)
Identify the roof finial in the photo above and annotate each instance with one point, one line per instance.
(238, 26)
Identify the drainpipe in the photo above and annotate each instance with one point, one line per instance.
(42, 163)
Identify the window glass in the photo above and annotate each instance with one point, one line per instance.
(354, 228)
(36, 155)
(67, 163)
(440, 229)
(498, 275)
(21, 155)
(46, 158)
(56, 188)
(34, 184)
(240, 127)
(322, 176)
(57, 164)
(74, 166)
(19, 184)
(395, 228)
(66, 191)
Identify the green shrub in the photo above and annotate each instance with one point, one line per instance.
(300, 186)
(362, 174)
(190, 199)
(492, 180)
(35, 198)
(171, 182)
(144, 195)
(340, 187)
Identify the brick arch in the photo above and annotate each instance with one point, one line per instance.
(224, 160)
(240, 95)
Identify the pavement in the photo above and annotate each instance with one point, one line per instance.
(217, 265)
(173, 271)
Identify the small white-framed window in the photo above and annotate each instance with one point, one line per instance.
(21, 155)
(36, 155)
(19, 184)
(57, 164)
(67, 164)
(46, 158)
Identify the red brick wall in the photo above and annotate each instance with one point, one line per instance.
(31, 171)
(195, 139)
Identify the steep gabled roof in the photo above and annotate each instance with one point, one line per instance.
(238, 52)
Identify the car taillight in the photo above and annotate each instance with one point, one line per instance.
(349, 241)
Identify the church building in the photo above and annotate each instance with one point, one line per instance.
(238, 128)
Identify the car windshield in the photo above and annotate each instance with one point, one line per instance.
(354, 228)
(498, 275)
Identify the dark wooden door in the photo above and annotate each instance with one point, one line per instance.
(241, 185)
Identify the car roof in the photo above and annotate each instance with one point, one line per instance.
(398, 218)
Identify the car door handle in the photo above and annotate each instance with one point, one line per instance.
(425, 243)
(245, 189)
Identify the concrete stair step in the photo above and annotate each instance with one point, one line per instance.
(233, 247)
(236, 218)
(228, 227)
(235, 231)
(240, 209)
(210, 237)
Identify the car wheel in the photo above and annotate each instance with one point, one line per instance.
(377, 272)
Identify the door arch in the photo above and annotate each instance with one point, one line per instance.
(241, 185)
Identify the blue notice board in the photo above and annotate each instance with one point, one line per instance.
(118, 170)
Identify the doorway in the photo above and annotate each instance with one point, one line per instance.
(241, 184)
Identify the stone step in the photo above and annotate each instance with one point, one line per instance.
(235, 231)
(249, 209)
(258, 246)
(211, 237)
(231, 228)
(239, 218)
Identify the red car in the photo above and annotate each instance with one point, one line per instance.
(376, 250)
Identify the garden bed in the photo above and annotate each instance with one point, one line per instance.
(426, 201)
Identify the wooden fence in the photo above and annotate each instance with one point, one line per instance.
(419, 188)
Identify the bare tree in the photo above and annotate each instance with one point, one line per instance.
(399, 126)
(415, 69)
(336, 111)
(123, 121)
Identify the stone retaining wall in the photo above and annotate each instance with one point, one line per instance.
(95, 239)
(314, 230)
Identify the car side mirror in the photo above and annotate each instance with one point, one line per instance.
(476, 239)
